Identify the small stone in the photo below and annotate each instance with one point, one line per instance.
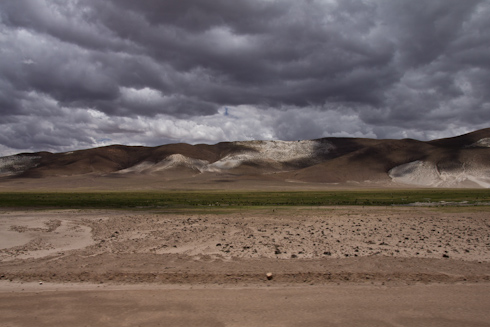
(268, 275)
(40, 283)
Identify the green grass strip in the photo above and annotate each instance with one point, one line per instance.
(226, 199)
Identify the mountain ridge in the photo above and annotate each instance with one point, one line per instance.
(460, 161)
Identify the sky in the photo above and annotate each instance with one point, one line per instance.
(77, 74)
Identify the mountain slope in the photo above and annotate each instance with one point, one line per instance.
(462, 161)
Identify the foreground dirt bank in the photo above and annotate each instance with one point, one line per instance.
(298, 245)
(332, 266)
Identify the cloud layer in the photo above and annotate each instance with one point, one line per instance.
(83, 73)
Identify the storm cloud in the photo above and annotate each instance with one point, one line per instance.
(83, 73)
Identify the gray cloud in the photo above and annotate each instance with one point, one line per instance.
(299, 69)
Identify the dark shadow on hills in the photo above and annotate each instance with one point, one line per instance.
(462, 141)
(388, 154)
(360, 160)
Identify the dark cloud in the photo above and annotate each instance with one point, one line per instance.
(423, 31)
(393, 67)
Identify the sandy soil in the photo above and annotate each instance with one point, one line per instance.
(199, 182)
(332, 266)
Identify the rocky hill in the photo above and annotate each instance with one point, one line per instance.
(462, 161)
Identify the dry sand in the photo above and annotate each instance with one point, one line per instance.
(332, 266)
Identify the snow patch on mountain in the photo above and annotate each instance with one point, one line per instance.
(273, 153)
(278, 152)
(422, 173)
(482, 143)
(283, 151)
(12, 165)
(172, 161)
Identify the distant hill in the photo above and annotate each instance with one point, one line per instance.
(462, 161)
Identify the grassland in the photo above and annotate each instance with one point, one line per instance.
(227, 199)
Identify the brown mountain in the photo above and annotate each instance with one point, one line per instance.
(462, 161)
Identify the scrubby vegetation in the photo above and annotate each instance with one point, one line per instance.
(227, 199)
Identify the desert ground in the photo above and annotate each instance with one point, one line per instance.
(329, 266)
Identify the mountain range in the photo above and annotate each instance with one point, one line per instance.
(461, 161)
